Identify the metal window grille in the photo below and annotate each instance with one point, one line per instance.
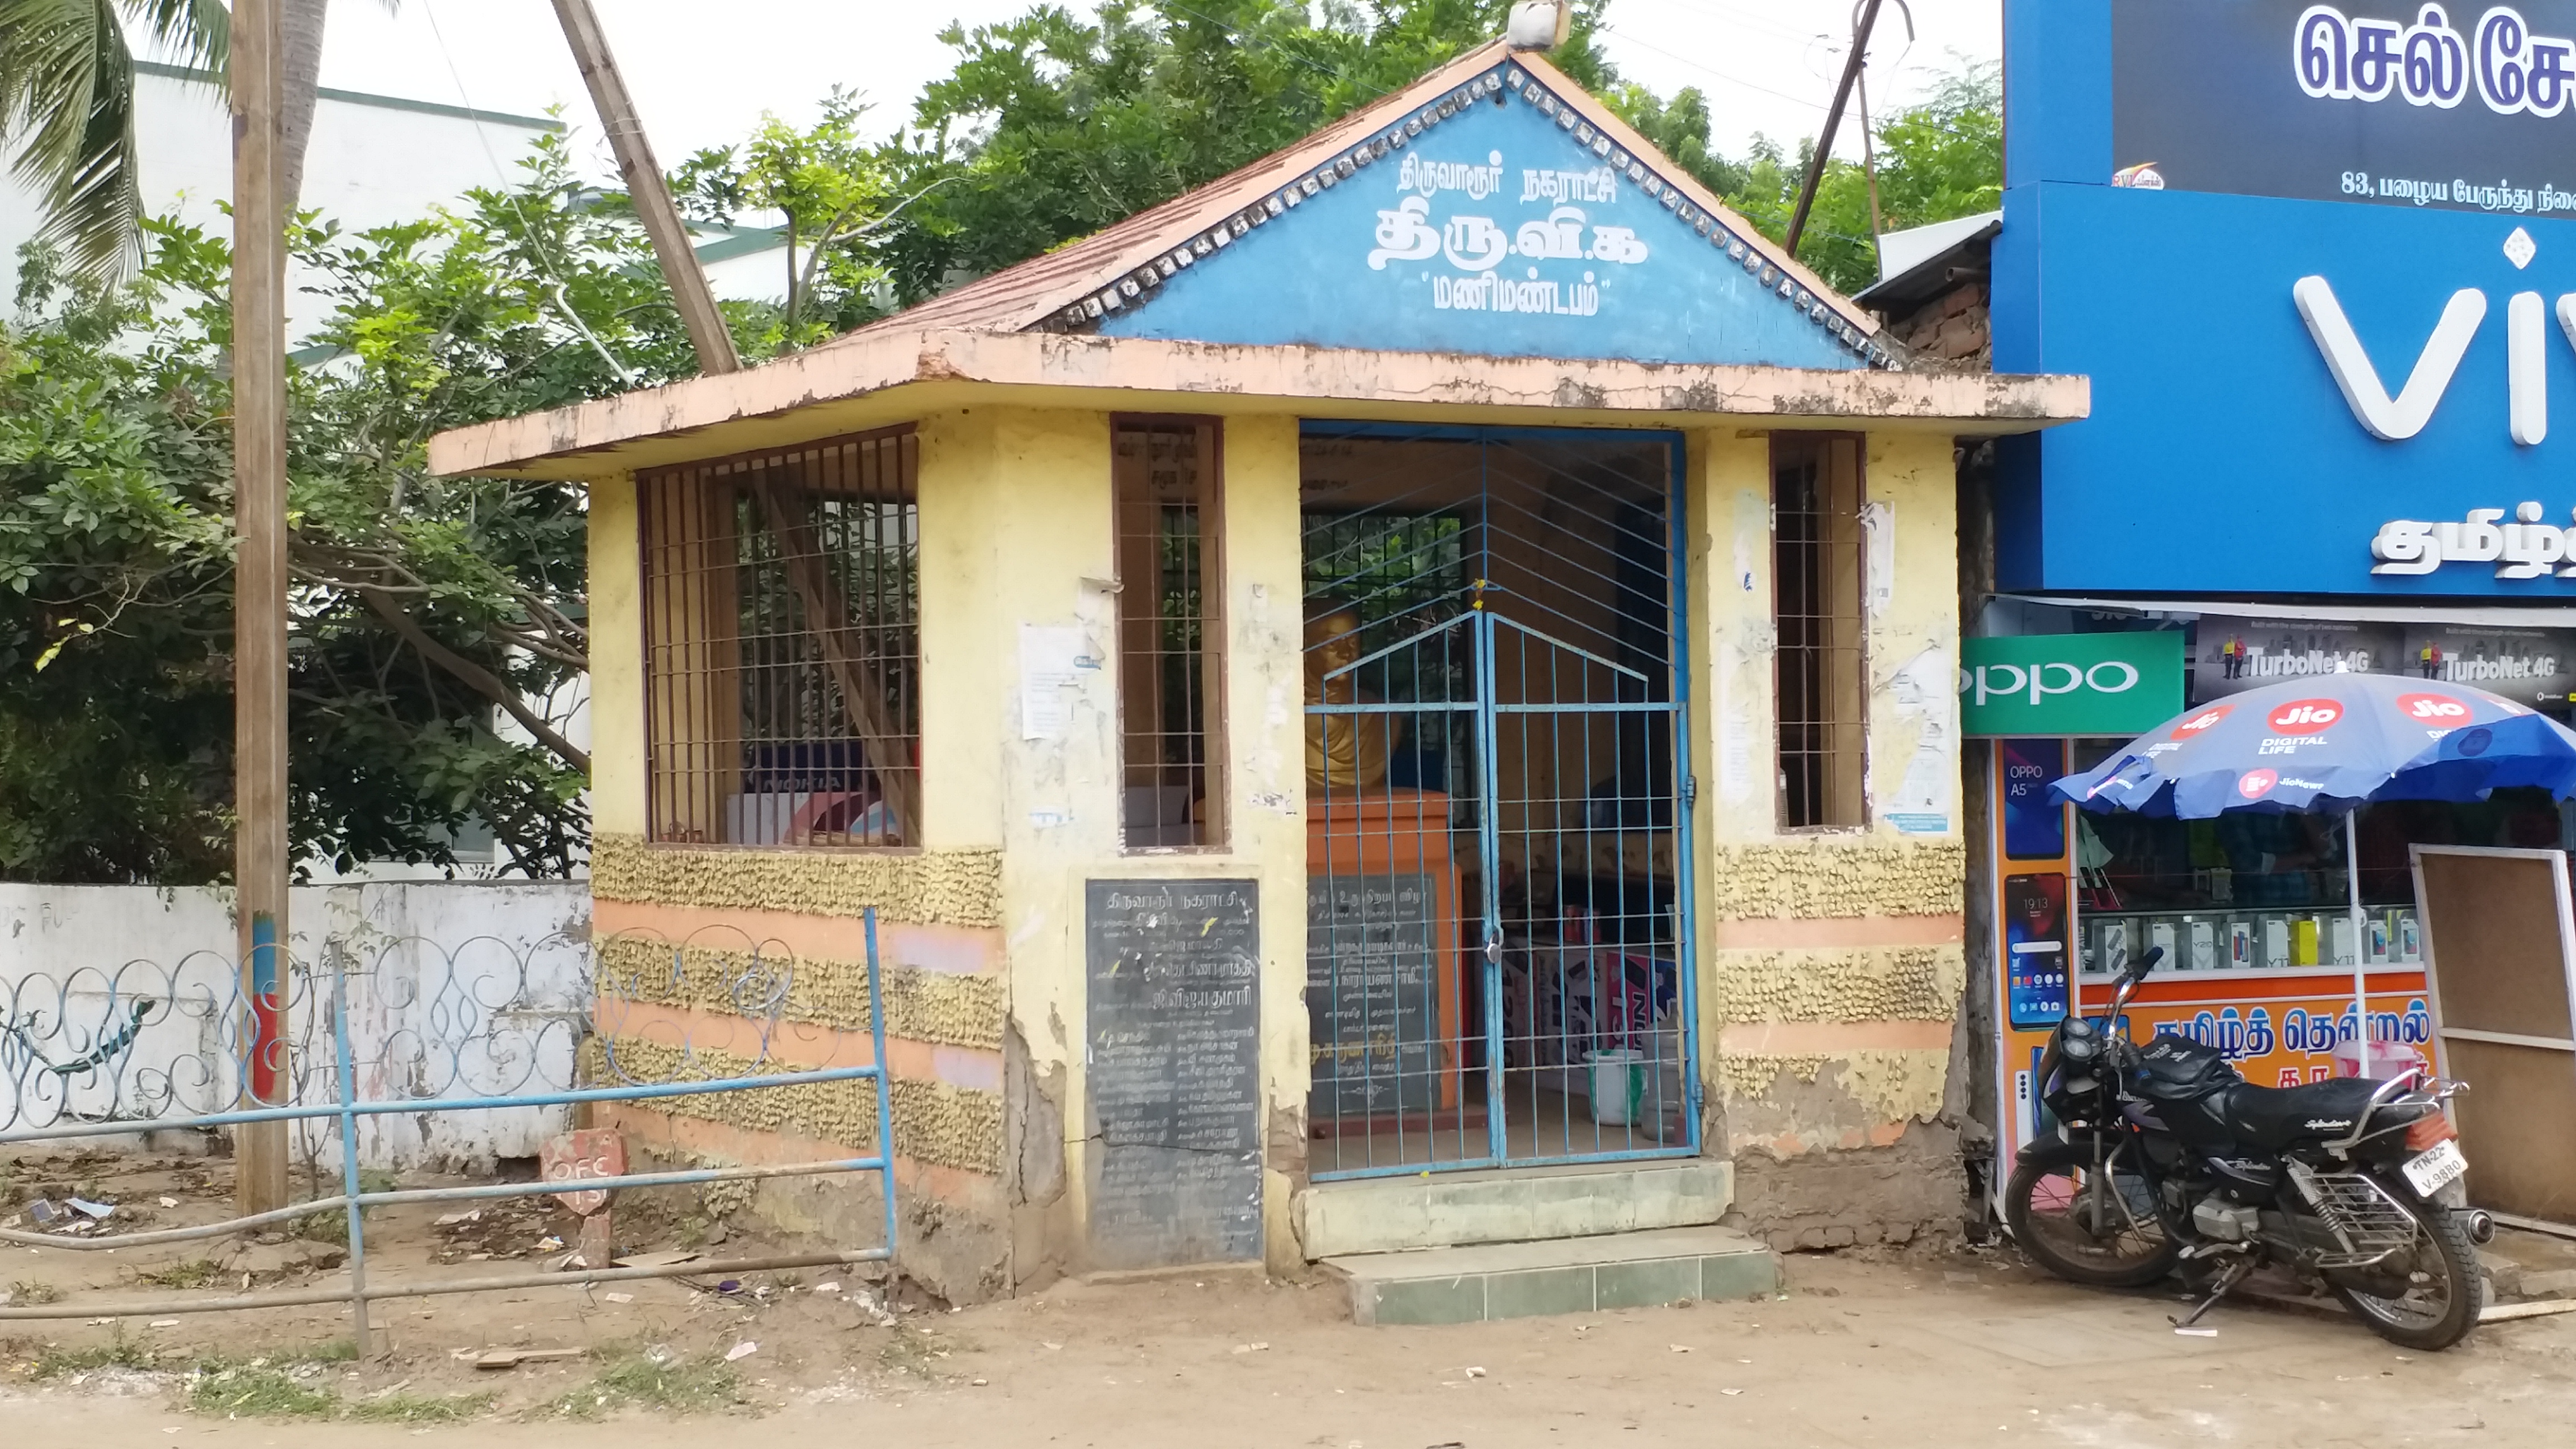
(1171, 632)
(782, 611)
(1816, 600)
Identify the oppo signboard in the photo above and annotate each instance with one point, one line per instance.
(2070, 684)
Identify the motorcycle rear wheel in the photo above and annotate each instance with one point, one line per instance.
(2437, 1289)
(2105, 1239)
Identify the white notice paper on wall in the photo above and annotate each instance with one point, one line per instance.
(1049, 655)
(1878, 574)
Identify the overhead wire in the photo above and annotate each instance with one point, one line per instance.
(557, 288)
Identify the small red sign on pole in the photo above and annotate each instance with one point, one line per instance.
(580, 1156)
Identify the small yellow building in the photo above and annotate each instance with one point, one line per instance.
(1402, 699)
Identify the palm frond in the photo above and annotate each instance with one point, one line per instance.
(67, 108)
(67, 103)
(200, 31)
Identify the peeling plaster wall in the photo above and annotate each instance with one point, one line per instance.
(945, 1013)
(1016, 530)
(1831, 963)
(1016, 519)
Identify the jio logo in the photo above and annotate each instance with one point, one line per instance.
(2440, 711)
(2305, 716)
(2255, 784)
(2202, 721)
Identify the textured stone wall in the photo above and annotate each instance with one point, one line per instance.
(956, 1244)
(933, 1122)
(1892, 1086)
(931, 887)
(1829, 876)
(1871, 983)
(927, 1006)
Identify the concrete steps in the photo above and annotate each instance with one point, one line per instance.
(1561, 1275)
(1516, 1205)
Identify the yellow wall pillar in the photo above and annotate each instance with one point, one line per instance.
(617, 758)
(1830, 967)
(1265, 725)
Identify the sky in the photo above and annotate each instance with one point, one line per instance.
(703, 75)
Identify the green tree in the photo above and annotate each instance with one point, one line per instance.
(1939, 158)
(833, 191)
(1052, 127)
(425, 609)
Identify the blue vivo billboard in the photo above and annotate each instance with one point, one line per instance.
(2320, 262)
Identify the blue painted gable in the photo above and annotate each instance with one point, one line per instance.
(1497, 221)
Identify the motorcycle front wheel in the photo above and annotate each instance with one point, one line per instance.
(2097, 1229)
(2427, 1297)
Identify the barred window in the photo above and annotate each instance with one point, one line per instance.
(1816, 593)
(782, 609)
(1171, 628)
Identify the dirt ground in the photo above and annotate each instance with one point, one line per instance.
(1926, 1349)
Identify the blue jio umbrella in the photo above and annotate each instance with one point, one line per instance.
(2331, 743)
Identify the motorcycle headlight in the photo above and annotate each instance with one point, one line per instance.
(2077, 1041)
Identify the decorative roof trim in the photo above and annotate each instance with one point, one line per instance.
(1506, 82)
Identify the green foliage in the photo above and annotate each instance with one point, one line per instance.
(410, 1408)
(422, 607)
(1938, 159)
(120, 1351)
(1052, 127)
(1679, 129)
(187, 1273)
(833, 190)
(655, 1380)
(67, 109)
(259, 1393)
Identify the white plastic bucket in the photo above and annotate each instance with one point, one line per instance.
(1618, 1084)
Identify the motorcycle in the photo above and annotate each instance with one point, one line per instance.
(2163, 1157)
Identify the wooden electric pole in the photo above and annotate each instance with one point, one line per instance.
(652, 195)
(1833, 121)
(259, 595)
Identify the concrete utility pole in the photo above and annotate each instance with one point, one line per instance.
(1833, 120)
(652, 195)
(259, 594)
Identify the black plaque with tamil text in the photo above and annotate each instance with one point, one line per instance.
(1174, 1071)
(1372, 993)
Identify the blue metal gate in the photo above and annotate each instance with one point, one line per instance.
(1498, 921)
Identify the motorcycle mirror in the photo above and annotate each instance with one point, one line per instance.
(2139, 968)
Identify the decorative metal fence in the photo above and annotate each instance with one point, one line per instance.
(402, 1031)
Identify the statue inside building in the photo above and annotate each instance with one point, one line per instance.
(1343, 751)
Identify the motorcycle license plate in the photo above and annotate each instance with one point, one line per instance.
(2435, 1167)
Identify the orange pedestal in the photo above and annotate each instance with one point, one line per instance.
(1385, 957)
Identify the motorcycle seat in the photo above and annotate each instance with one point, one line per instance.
(2277, 1117)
